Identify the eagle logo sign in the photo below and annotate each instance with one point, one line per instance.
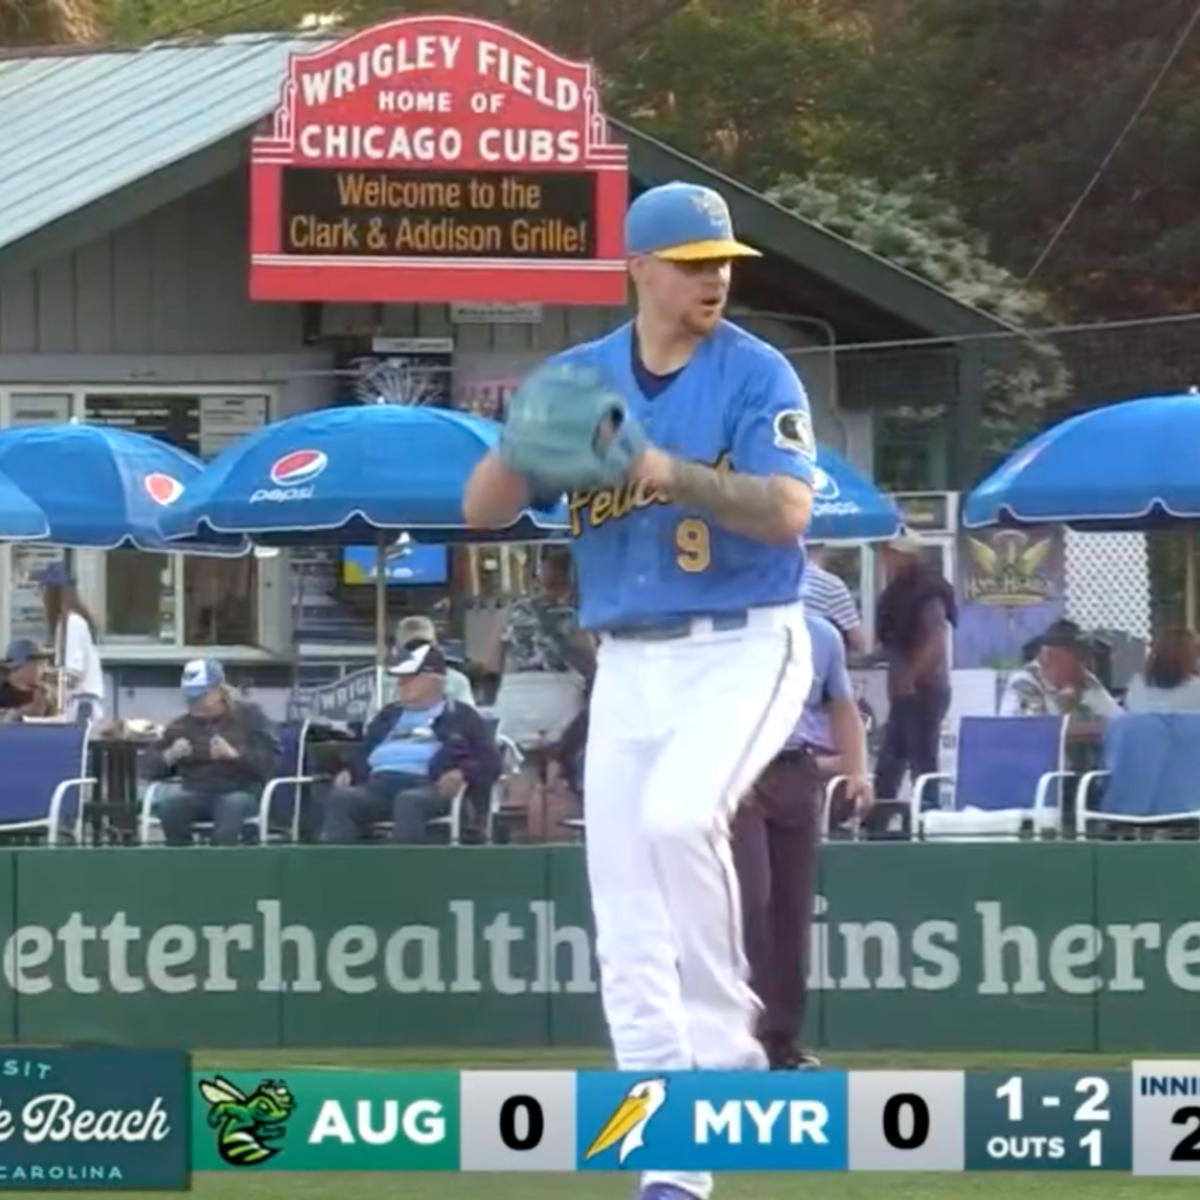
(1012, 571)
(794, 431)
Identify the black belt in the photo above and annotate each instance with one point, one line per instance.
(673, 630)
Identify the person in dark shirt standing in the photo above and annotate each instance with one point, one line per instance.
(23, 691)
(913, 618)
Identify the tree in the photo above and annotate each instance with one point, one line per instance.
(756, 87)
(1021, 102)
(47, 22)
(915, 229)
(584, 29)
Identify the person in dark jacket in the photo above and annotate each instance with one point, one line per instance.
(219, 754)
(913, 620)
(418, 754)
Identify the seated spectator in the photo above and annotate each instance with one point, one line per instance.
(219, 754)
(24, 691)
(418, 753)
(1057, 682)
(412, 632)
(1170, 682)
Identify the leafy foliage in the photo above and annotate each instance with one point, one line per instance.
(917, 230)
(47, 22)
(585, 28)
(756, 87)
(1023, 99)
(914, 228)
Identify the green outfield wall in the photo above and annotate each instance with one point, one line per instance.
(1063, 947)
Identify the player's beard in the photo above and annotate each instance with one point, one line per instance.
(703, 319)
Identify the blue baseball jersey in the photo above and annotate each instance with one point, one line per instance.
(738, 405)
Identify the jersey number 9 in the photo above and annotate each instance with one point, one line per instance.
(693, 546)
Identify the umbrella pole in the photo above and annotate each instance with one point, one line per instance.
(1189, 599)
(60, 645)
(380, 600)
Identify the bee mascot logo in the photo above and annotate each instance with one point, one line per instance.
(246, 1125)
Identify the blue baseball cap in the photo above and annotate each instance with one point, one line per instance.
(23, 650)
(56, 575)
(200, 676)
(682, 222)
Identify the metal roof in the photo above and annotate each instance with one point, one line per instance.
(76, 126)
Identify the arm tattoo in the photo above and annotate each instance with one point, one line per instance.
(746, 504)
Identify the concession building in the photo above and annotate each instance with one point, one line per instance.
(141, 284)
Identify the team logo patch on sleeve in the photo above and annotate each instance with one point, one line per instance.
(794, 431)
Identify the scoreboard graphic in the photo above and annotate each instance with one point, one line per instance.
(1144, 1121)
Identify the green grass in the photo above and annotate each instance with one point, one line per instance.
(463, 1060)
(279, 1185)
(732, 1187)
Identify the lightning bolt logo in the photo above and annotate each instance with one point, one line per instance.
(628, 1123)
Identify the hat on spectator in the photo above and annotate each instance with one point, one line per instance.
(420, 660)
(56, 575)
(415, 629)
(906, 543)
(23, 650)
(1065, 635)
(200, 676)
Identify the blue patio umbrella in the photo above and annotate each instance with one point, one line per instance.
(1128, 466)
(103, 488)
(348, 475)
(21, 520)
(1124, 467)
(847, 506)
(352, 475)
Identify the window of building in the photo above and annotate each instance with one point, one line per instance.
(143, 599)
(911, 450)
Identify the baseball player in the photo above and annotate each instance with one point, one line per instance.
(686, 447)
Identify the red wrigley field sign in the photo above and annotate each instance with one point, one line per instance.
(441, 160)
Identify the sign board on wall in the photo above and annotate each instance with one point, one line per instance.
(496, 314)
(438, 160)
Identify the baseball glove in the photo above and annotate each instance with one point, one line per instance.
(566, 431)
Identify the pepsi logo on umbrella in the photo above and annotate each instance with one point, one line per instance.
(824, 485)
(163, 489)
(298, 467)
(293, 477)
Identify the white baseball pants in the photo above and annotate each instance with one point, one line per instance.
(678, 732)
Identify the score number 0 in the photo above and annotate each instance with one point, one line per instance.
(1091, 1108)
(522, 1123)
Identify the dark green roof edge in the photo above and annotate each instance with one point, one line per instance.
(772, 228)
